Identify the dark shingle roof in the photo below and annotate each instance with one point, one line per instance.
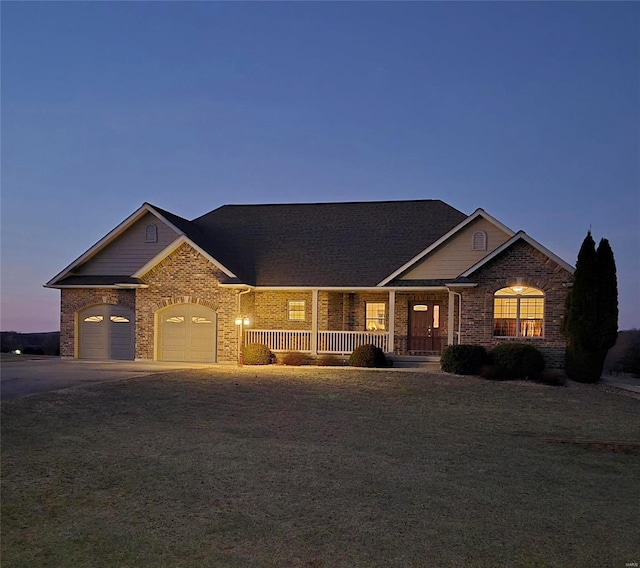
(90, 280)
(319, 244)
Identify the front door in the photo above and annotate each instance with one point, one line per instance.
(424, 328)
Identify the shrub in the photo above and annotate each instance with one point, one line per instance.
(330, 361)
(518, 360)
(463, 359)
(257, 354)
(296, 358)
(367, 355)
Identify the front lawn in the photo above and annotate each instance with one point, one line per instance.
(320, 468)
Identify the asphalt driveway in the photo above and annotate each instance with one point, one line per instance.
(22, 376)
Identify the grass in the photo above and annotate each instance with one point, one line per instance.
(320, 468)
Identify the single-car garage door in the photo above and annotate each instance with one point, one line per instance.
(106, 332)
(187, 332)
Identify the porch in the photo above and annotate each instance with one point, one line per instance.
(408, 323)
(335, 342)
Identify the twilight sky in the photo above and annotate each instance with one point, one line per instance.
(528, 110)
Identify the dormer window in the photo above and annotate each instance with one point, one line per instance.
(479, 241)
(151, 234)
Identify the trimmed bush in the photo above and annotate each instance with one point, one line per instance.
(257, 354)
(518, 361)
(463, 359)
(367, 355)
(330, 361)
(296, 358)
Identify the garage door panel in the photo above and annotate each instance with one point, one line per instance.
(187, 333)
(106, 332)
(200, 344)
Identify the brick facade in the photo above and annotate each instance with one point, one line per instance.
(185, 276)
(403, 301)
(520, 264)
(269, 309)
(72, 300)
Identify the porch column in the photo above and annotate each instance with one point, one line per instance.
(450, 317)
(392, 319)
(314, 322)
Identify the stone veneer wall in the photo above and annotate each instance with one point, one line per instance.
(185, 276)
(72, 300)
(524, 262)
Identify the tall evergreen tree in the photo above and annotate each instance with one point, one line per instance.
(591, 311)
(608, 291)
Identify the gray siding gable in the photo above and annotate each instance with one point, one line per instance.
(129, 251)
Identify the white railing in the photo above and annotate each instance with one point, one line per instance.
(280, 339)
(344, 342)
(339, 342)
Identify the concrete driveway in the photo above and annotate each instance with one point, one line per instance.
(22, 376)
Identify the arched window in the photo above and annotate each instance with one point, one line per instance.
(151, 234)
(518, 311)
(479, 241)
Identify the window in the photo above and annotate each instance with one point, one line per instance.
(518, 311)
(119, 319)
(375, 316)
(93, 319)
(479, 241)
(425, 308)
(151, 234)
(296, 310)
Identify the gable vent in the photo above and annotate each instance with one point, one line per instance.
(151, 234)
(479, 241)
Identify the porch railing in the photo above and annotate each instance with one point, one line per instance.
(280, 339)
(338, 342)
(344, 342)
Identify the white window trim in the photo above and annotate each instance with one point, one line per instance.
(303, 310)
(518, 297)
(367, 319)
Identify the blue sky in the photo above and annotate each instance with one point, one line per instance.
(528, 110)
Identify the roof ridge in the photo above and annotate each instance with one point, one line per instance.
(308, 203)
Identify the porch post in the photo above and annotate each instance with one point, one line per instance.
(314, 322)
(392, 320)
(450, 317)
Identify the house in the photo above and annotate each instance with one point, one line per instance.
(409, 276)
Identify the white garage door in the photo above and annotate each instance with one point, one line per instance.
(106, 332)
(187, 332)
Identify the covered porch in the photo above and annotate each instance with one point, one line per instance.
(404, 323)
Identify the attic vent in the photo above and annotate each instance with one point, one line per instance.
(151, 234)
(479, 241)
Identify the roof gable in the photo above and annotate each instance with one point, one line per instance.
(520, 235)
(164, 253)
(447, 237)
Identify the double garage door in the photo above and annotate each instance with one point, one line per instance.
(185, 332)
(106, 332)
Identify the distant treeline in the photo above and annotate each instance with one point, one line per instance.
(624, 356)
(47, 343)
